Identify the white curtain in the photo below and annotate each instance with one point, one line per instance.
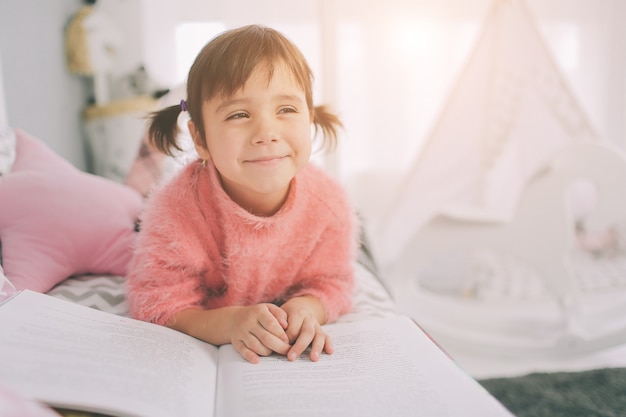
(396, 67)
(390, 68)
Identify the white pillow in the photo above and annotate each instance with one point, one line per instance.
(6, 287)
(7, 150)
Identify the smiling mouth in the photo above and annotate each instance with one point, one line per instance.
(266, 159)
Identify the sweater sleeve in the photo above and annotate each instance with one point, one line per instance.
(169, 268)
(328, 273)
(329, 278)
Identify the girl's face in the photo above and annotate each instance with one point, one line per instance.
(258, 139)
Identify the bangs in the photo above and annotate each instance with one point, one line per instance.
(226, 63)
(232, 61)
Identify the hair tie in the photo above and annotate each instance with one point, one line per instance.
(183, 105)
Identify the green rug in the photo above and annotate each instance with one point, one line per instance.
(595, 393)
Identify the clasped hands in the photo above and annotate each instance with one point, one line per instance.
(262, 329)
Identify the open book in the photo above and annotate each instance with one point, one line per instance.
(71, 356)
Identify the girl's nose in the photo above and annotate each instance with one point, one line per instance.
(266, 131)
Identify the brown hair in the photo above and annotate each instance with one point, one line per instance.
(223, 67)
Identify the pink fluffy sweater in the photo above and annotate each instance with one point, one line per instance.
(199, 249)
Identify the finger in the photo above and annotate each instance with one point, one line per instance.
(273, 324)
(307, 333)
(272, 342)
(294, 329)
(319, 341)
(252, 343)
(279, 314)
(245, 352)
(329, 346)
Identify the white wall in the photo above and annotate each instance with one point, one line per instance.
(161, 17)
(42, 97)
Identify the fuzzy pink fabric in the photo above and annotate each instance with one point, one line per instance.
(198, 248)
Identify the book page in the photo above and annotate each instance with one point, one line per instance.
(381, 367)
(72, 356)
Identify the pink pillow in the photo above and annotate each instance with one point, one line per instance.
(57, 221)
(14, 404)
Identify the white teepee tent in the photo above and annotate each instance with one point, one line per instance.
(509, 111)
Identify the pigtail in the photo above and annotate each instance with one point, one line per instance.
(329, 123)
(163, 129)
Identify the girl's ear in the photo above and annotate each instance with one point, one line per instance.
(198, 141)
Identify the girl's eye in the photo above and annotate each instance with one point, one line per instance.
(288, 110)
(235, 116)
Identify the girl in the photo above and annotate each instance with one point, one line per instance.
(250, 244)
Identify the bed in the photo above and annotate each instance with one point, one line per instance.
(107, 292)
(69, 234)
(534, 307)
(507, 340)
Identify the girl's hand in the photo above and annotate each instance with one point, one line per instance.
(259, 330)
(305, 316)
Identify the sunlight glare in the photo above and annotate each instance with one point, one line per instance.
(190, 39)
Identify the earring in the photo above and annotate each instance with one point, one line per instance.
(203, 163)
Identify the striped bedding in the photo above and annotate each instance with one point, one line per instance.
(107, 292)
